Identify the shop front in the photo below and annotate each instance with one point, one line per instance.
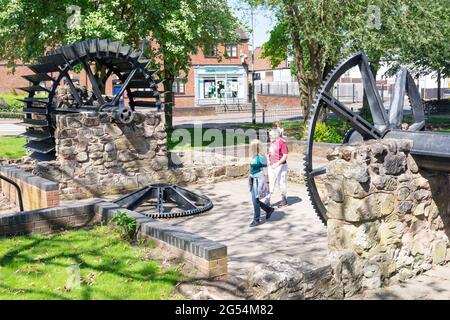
(220, 85)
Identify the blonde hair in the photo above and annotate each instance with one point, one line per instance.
(275, 133)
(255, 147)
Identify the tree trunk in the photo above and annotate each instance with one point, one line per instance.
(169, 101)
(99, 74)
(439, 85)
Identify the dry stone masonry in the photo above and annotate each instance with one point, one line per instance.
(97, 156)
(388, 220)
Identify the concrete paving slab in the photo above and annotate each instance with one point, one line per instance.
(291, 231)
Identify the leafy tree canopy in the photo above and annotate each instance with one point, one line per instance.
(319, 33)
(176, 29)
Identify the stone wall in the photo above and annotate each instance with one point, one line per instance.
(388, 220)
(97, 156)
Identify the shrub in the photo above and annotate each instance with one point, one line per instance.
(327, 133)
(10, 115)
(125, 225)
(9, 103)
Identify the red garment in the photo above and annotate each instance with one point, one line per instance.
(277, 150)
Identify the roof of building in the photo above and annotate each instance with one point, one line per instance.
(242, 34)
(264, 63)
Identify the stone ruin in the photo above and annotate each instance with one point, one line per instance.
(387, 222)
(394, 217)
(97, 157)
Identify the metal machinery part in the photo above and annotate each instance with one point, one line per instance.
(18, 190)
(165, 201)
(430, 150)
(114, 59)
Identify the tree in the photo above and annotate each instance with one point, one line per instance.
(176, 29)
(319, 33)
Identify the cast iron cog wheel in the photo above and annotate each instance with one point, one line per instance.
(165, 201)
(361, 129)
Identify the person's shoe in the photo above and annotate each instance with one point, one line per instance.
(269, 214)
(255, 223)
(283, 203)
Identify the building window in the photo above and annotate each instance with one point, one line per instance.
(178, 86)
(231, 51)
(210, 52)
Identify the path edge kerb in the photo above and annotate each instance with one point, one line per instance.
(209, 257)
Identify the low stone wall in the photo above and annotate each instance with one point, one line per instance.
(36, 192)
(388, 219)
(193, 112)
(98, 157)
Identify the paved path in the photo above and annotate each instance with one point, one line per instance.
(292, 231)
(432, 285)
(11, 127)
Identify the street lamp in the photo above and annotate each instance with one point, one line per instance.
(253, 68)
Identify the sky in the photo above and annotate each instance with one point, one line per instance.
(263, 20)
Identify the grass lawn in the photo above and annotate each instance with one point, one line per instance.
(191, 138)
(11, 147)
(37, 267)
(293, 129)
(13, 99)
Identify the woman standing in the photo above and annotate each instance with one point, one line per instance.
(258, 182)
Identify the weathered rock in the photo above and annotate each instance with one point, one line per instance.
(292, 279)
(347, 270)
(412, 165)
(358, 210)
(395, 164)
(82, 157)
(405, 207)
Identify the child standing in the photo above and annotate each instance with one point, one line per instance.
(258, 182)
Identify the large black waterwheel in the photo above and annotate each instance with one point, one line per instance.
(52, 71)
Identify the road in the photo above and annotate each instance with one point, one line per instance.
(10, 127)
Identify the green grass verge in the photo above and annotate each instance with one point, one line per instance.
(332, 131)
(12, 147)
(12, 98)
(38, 267)
(191, 138)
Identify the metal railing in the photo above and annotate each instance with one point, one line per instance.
(19, 192)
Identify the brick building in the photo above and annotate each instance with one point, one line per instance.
(213, 81)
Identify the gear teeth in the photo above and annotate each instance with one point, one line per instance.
(310, 186)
